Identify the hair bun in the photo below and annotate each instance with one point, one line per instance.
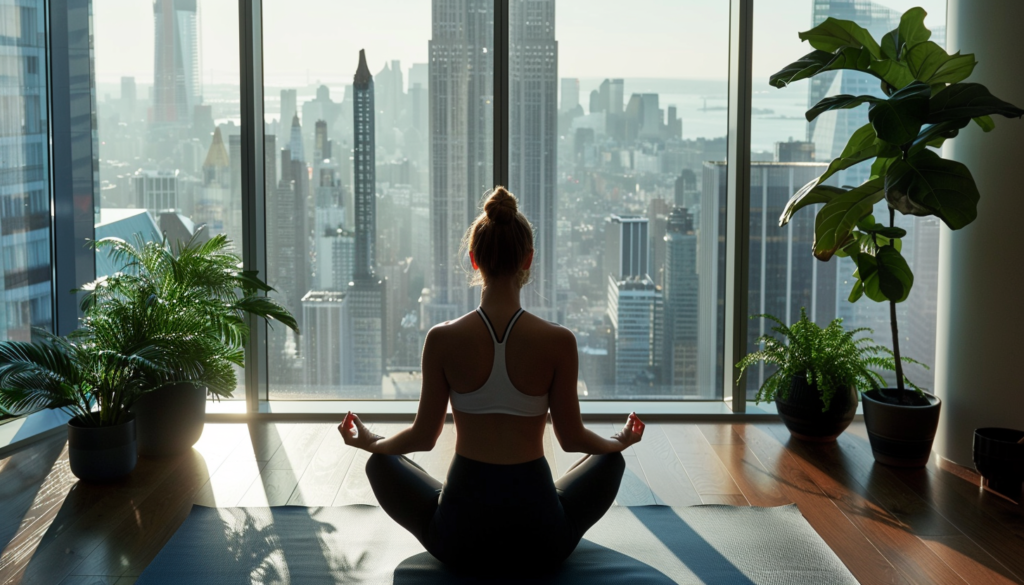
(501, 207)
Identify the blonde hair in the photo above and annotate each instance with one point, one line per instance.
(500, 238)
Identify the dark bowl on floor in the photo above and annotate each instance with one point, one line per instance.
(999, 458)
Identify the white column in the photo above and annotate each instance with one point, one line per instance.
(980, 329)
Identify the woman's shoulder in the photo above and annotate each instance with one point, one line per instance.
(541, 330)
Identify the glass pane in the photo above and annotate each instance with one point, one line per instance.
(25, 187)
(617, 136)
(379, 131)
(789, 152)
(168, 122)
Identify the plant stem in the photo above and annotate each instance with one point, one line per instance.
(895, 328)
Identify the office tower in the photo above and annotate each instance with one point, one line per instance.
(128, 99)
(321, 144)
(533, 140)
(626, 247)
(216, 187)
(176, 80)
(570, 94)
(635, 312)
(831, 130)
(25, 280)
(156, 191)
(675, 124)
(461, 86)
(295, 146)
(364, 322)
(652, 121)
(322, 313)
(289, 103)
(783, 276)
(658, 211)
(612, 93)
(794, 151)
(287, 258)
(711, 271)
(681, 306)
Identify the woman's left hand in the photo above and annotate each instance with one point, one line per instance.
(355, 433)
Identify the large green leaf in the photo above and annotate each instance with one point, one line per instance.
(893, 277)
(880, 166)
(807, 66)
(926, 184)
(910, 32)
(931, 64)
(986, 123)
(810, 194)
(834, 34)
(821, 61)
(894, 73)
(931, 133)
(837, 218)
(862, 146)
(898, 119)
(839, 102)
(968, 100)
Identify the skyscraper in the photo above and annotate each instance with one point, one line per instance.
(570, 94)
(533, 140)
(680, 292)
(634, 309)
(627, 253)
(289, 107)
(176, 81)
(461, 88)
(364, 308)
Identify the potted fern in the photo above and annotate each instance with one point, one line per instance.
(818, 372)
(203, 292)
(923, 101)
(94, 374)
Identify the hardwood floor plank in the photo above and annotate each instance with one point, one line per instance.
(970, 561)
(720, 434)
(665, 473)
(320, 482)
(355, 487)
(266, 438)
(91, 580)
(299, 445)
(705, 469)
(755, 482)
(852, 547)
(634, 489)
(823, 462)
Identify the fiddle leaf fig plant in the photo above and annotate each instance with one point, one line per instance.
(923, 101)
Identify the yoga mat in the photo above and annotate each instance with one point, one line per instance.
(720, 545)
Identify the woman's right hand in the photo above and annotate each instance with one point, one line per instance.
(632, 433)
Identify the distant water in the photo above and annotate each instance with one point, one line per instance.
(702, 104)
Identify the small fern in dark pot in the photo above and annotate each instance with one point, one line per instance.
(817, 374)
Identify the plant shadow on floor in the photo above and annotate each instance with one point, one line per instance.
(23, 475)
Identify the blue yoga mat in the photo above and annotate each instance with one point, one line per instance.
(720, 545)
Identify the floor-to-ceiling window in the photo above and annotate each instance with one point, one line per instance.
(787, 152)
(168, 122)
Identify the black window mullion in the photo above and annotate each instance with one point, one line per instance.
(500, 93)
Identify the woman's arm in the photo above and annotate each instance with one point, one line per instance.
(429, 422)
(565, 408)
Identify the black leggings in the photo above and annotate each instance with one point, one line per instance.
(499, 517)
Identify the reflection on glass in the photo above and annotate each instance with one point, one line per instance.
(633, 219)
(168, 122)
(25, 288)
(788, 152)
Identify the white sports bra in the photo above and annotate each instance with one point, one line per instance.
(498, 395)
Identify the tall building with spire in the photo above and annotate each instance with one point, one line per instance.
(460, 102)
(533, 140)
(298, 152)
(176, 80)
(363, 311)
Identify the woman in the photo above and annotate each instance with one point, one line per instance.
(502, 369)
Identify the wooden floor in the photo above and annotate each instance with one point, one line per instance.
(887, 525)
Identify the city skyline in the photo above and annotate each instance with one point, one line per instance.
(372, 181)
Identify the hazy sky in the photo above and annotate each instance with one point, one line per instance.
(320, 39)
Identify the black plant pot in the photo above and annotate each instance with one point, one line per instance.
(801, 411)
(100, 454)
(999, 458)
(901, 426)
(170, 420)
